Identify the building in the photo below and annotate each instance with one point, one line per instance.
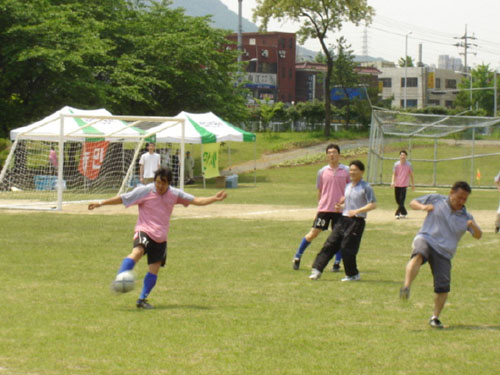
(271, 64)
(450, 63)
(425, 86)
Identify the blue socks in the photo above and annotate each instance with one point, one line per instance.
(149, 283)
(338, 257)
(303, 246)
(127, 265)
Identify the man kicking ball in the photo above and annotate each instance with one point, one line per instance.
(156, 202)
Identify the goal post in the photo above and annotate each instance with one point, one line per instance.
(75, 156)
(441, 148)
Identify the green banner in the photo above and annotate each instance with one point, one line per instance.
(211, 160)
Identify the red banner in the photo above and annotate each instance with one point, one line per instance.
(91, 159)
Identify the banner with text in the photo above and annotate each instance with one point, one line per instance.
(211, 160)
(92, 157)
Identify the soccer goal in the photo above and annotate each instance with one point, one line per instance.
(78, 155)
(442, 149)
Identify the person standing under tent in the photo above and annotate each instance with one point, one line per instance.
(148, 164)
(436, 242)
(359, 198)
(53, 160)
(175, 167)
(155, 202)
(402, 174)
(165, 158)
(189, 168)
(331, 181)
(497, 222)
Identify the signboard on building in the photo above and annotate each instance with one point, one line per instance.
(350, 93)
(261, 80)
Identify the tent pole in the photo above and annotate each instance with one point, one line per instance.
(181, 156)
(60, 164)
(9, 158)
(255, 163)
(202, 171)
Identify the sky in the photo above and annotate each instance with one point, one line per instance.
(436, 24)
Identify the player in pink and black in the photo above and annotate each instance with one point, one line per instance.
(331, 181)
(156, 202)
(402, 174)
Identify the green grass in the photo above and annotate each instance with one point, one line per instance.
(229, 302)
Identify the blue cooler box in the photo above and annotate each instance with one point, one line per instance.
(232, 181)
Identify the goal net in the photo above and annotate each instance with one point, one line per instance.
(75, 155)
(442, 149)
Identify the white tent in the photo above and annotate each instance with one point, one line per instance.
(75, 128)
(203, 128)
(78, 169)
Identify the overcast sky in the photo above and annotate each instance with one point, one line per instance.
(436, 24)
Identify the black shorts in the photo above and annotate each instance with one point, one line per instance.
(156, 252)
(323, 220)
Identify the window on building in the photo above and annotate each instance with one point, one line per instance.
(290, 73)
(410, 103)
(386, 82)
(438, 83)
(283, 73)
(290, 43)
(433, 102)
(448, 103)
(412, 82)
(450, 84)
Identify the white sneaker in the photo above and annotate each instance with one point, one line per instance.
(315, 274)
(352, 278)
(403, 216)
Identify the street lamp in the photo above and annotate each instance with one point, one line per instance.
(406, 66)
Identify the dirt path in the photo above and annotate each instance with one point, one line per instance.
(269, 160)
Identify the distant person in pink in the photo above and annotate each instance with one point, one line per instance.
(331, 181)
(402, 175)
(156, 202)
(53, 159)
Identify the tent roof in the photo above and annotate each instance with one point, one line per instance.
(78, 128)
(203, 128)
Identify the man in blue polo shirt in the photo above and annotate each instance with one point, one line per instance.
(436, 242)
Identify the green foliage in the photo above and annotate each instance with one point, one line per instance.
(316, 19)
(482, 99)
(4, 150)
(121, 55)
(409, 62)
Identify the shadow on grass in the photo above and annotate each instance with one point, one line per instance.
(484, 327)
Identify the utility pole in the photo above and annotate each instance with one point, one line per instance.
(465, 44)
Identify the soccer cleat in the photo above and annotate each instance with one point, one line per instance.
(296, 263)
(315, 274)
(336, 267)
(396, 217)
(403, 216)
(352, 278)
(143, 304)
(497, 229)
(436, 323)
(404, 293)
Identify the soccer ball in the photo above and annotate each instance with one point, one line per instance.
(124, 282)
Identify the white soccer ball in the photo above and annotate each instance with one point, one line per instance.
(124, 282)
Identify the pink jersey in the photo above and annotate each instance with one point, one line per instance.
(155, 209)
(331, 183)
(402, 173)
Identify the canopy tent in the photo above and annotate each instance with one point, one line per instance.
(96, 152)
(77, 128)
(204, 128)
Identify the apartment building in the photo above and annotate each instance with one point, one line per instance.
(424, 86)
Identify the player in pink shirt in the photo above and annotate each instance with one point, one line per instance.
(156, 202)
(331, 181)
(402, 174)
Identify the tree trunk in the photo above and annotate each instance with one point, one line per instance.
(327, 97)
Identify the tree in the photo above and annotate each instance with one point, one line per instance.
(317, 18)
(344, 76)
(483, 93)
(409, 62)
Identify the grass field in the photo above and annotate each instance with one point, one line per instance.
(229, 302)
